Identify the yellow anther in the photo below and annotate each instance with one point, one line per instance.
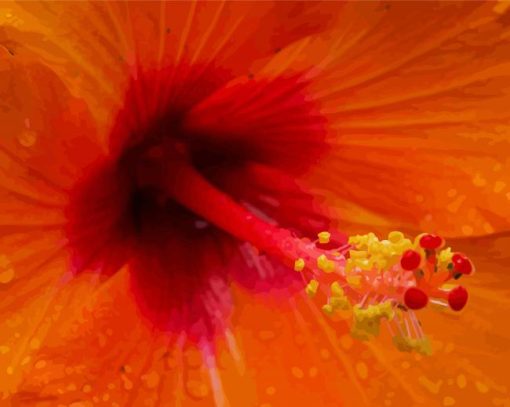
(336, 302)
(324, 237)
(354, 240)
(349, 265)
(340, 303)
(358, 254)
(324, 264)
(299, 264)
(380, 261)
(386, 310)
(424, 347)
(445, 257)
(385, 243)
(386, 247)
(406, 344)
(395, 236)
(374, 247)
(311, 288)
(367, 320)
(362, 241)
(328, 309)
(365, 264)
(336, 289)
(364, 330)
(354, 281)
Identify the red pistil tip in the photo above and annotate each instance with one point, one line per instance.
(461, 264)
(410, 260)
(457, 298)
(414, 298)
(431, 242)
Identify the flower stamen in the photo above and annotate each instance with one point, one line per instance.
(388, 280)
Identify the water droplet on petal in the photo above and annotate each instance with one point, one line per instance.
(151, 379)
(27, 138)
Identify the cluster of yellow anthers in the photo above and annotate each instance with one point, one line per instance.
(371, 280)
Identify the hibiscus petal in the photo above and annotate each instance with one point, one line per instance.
(38, 161)
(430, 80)
(147, 368)
(96, 47)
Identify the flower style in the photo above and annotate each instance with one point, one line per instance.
(179, 181)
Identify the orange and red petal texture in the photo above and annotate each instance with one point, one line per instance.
(372, 115)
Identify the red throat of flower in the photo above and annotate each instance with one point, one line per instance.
(200, 190)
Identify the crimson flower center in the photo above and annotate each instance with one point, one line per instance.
(184, 185)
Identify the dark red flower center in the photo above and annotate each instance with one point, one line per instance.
(197, 167)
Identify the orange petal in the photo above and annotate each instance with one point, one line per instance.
(95, 47)
(278, 352)
(47, 137)
(38, 160)
(419, 120)
(103, 353)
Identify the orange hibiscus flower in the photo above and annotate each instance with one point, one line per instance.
(166, 168)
